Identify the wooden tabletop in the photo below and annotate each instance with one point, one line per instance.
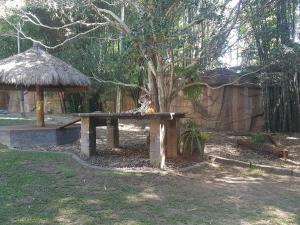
(138, 115)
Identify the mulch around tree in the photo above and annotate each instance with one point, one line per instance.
(133, 152)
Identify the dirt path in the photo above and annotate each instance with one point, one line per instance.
(224, 145)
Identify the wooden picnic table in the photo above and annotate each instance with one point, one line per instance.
(163, 132)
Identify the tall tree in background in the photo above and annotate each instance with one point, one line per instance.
(273, 28)
(173, 39)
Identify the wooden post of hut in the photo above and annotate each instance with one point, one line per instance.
(39, 103)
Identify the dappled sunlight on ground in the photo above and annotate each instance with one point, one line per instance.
(238, 180)
(224, 145)
(30, 220)
(272, 215)
(147, 195)
(133, 127)
(47, 188)
(44, 188)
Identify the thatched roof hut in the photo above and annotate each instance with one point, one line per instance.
(37, 69)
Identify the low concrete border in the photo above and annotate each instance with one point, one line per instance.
(268, 169)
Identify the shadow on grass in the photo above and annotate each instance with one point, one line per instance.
(47, 188)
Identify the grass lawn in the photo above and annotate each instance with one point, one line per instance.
(8, 120)
(49, 188)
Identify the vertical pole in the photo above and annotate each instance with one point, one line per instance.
(21, 93)
(122, 34)
(39, 105)
(18, 39)
(119, 100)
(121, 43)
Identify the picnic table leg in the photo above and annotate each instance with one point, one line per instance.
(88, 136)
(172, 136)
(113, 133)
(157, 143)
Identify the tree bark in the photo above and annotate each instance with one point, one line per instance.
(153, 88)
(161, 80)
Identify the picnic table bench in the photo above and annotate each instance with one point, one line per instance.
(163, 132)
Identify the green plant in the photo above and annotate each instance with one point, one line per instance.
(193, 92)
(192, 140)
(258, 138)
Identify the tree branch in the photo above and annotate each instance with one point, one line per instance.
(100, 12)
(119, 83)
(60, 44)
(37, 22)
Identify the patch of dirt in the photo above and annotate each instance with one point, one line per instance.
(133, 152)
(224, 145)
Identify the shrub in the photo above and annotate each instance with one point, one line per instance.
(192, 140)
(259, 138)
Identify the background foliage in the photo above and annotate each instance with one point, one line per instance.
(179, 39)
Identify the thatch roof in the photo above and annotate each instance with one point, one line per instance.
(37, 67)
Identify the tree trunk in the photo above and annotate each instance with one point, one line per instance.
(119, 91)
(152, 86)
(161, 79)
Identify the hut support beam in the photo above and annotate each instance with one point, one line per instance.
(40, 121)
